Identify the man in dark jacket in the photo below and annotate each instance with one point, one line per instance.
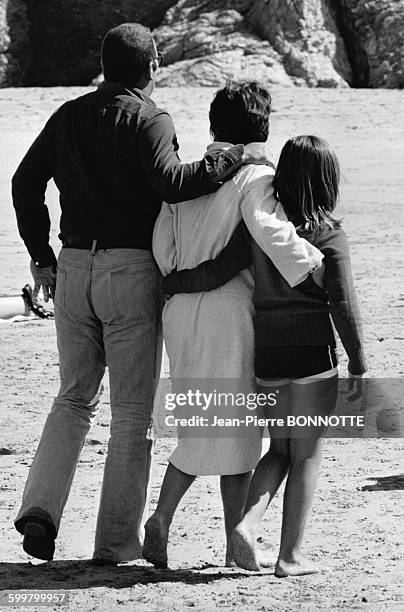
(113, 156)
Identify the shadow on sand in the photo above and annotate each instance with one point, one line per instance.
(69, 575)
(386, 483)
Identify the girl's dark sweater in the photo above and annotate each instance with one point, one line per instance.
(299, 316)
(286, 316)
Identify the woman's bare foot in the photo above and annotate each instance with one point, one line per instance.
(265, 559)
(296, 566)
(244, 551)
(155, 542)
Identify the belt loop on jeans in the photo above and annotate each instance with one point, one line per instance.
(94, 247)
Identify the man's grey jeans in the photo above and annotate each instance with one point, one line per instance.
(107, 313)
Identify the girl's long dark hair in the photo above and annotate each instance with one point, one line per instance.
(306, 182)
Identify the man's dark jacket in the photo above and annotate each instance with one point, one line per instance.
(114, 158)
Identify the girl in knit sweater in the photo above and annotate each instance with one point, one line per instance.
(295, 351)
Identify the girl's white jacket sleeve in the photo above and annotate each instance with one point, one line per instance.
(268, 225)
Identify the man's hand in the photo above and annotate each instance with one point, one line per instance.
(257, 153)
(355, 385)
(44, 278)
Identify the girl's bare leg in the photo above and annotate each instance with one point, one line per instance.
(234, 493)
(316, 398)
(267, 478)
(297, 501)
(174, 487)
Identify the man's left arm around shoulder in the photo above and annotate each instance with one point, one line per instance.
(28, 191)
(157, 149)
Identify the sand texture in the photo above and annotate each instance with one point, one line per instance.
(357, 522)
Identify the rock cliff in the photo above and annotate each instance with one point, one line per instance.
(280, 41)
(373, 31)
(316, 43)
(203, 45)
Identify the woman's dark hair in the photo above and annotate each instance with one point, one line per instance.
(126, 52)
(240, 113)
(306, 181)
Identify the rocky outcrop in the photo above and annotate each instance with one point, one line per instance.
(276, 41)
(373, 31)
(316, 43)
(306, 36)
(205, 47)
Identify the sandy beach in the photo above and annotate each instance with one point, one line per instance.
(357, 521)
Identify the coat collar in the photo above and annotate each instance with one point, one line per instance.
(121, 88)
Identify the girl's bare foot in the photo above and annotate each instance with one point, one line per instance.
(155, 542)
(264, 557)
(296, 566)
(229, 562)
(244, 551)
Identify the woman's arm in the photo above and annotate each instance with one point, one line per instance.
(343, 302)
(214, 273)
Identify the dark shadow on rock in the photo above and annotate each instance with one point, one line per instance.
(386, 483)
(70, 575)
(15, 43)
(50, 43)
(353, 44)
(66, 35)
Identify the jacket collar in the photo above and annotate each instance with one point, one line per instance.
(121, 88)
(217, 147)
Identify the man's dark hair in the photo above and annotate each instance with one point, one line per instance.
(126, 52)
(240, 113)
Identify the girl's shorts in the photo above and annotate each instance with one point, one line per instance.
(294, 361)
